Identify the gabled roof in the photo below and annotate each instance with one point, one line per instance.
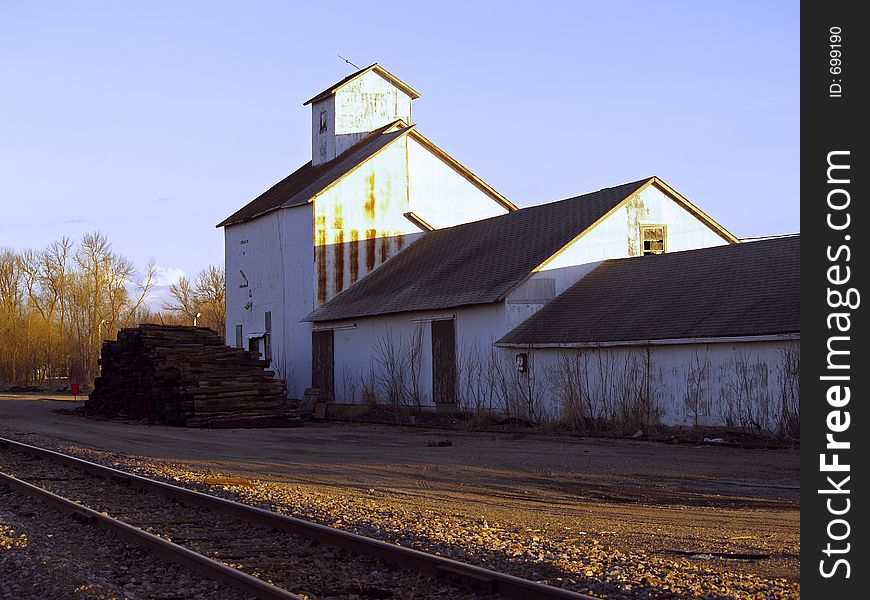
(736, 290)
(474, 263)
(308, 181)
(377, 69)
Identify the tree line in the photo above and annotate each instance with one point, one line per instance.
(58, 304)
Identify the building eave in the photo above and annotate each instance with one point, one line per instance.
(694, 210)
(782, 337)
(414, 94)
(464, 172)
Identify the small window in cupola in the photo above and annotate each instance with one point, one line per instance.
(323, 121)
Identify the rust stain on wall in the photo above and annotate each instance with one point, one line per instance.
(371, 240)
(354, 255)
(369, 205)
(338, 263)
(635, 210)
(385, 248)
(319, 258)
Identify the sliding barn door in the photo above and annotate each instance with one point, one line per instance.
(323, 363)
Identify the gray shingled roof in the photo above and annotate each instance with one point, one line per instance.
(746, 289)
(472, 263)
(307, 181)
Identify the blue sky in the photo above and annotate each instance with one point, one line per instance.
(152, 121)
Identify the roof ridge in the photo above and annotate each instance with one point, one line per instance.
(542, 205)
(638, 183)
(414, 94)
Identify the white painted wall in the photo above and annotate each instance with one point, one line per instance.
(353, 111)
(359, 344)
(293, 358)
(253, 273)
(323, 142)
(708, 384)
(440, 195)
(275, 253)
(618, 235)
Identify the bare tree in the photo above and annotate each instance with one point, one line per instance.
(203, 300)
(186, 304)
(210, 290)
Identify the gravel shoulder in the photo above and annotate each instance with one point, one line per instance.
(594, 515)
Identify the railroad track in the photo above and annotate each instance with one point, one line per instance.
(261, 553)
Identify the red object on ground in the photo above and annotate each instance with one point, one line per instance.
(74, 388)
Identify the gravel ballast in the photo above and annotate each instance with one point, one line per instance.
(583, 561)
(45, 554)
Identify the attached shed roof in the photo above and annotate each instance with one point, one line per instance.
(748, 289)
(473, 263)
(377, 69)
(308, 181)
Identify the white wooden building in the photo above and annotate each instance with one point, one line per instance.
(373, 185)
(384, 271)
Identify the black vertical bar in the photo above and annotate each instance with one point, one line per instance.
(833, 326)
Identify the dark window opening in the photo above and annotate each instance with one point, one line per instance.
(653, 239)
(323, 121)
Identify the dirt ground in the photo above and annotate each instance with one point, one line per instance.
(629, 493)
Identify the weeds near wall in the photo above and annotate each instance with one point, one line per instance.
(490, 385)
(569, 378)
(283, 369)
(477, 395)
(697, 375)
(788, 371)
(368, 387)
(396, 371)
(594, 390)
(600, 387)
(743, 385)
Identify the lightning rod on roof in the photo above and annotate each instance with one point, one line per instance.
(348, 62)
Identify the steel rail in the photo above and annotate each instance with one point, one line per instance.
(165, 549)
(476, 578)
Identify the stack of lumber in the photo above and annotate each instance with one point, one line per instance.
(186, 376)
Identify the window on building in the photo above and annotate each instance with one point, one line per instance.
(239, 342)
(653, 239)
(323, 121)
